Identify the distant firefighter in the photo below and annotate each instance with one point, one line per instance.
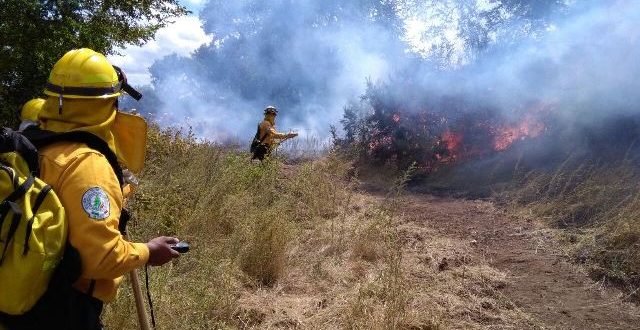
(266, 136)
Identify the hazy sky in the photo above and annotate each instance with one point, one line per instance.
(182, 37)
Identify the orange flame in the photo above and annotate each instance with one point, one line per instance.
(505, 136)
(452, 140)
(452, 143)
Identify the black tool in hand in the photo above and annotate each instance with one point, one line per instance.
(181, 247)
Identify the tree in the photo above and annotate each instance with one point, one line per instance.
(288, 53)
(34, 34)
(457, 32)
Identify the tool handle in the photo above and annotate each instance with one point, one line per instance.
(143, 319)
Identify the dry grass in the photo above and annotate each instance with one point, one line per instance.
(303, 148)
(599, 206)
(281, 246)
(241, 219)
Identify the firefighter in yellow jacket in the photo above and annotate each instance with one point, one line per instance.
(82, 95)
(267, 136)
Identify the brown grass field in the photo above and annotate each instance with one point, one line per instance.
(277, 246)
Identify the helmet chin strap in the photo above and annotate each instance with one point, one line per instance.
(131, 91)
(125, 85)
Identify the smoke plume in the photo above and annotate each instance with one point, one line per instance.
(312, 58)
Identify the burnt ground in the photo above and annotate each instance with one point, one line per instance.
(543, 283)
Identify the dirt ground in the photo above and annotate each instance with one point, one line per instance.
(466, 264)
(542, 283)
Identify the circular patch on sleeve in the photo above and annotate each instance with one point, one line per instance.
(96, 203)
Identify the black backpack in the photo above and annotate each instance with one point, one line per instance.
(41, 138)
(257, 141)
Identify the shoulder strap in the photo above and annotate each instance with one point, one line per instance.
(42, 138)
(14, 141)
(264, 135)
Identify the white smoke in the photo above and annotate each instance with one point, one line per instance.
(312, 58)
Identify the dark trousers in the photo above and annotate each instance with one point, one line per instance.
(261, 152)
(70, 309)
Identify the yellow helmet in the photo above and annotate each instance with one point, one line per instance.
(31, 109)
(87, 74)
(83, 73)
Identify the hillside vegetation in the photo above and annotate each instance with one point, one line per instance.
(282, 246)
(580, 178)
(596, 207)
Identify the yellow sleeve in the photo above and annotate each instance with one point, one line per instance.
(91, 195)
(271, 131)
(275, 134)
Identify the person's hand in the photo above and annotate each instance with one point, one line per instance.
(160, 251)
(292, 135)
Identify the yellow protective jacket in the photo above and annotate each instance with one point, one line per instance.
(73, 170)
(89, 190)
(268, 130)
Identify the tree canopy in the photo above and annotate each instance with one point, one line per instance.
(34, 34)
